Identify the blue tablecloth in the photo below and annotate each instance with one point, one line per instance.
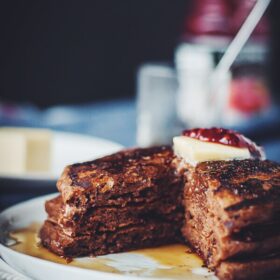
(114, 120)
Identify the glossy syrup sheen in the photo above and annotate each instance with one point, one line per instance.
(172, 261)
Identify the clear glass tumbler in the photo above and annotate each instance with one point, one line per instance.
(156, 104)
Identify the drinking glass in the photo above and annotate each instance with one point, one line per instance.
(156, 104)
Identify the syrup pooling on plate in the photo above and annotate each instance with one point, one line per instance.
(171, 261)
(28, 243)
(225, 137)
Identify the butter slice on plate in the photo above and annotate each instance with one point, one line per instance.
(12, 152)
(24, 150)
(195, 151)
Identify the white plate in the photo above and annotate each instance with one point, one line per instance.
(68, 148)
(131, 265)
(8, 273)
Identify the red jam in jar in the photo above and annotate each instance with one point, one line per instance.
(225, 137)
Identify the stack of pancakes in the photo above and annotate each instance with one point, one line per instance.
(232, 216)
(228, 211)
(129, 200)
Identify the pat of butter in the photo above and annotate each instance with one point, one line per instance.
(194, 151)
(24, 150)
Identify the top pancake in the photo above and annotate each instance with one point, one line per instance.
(125, 172)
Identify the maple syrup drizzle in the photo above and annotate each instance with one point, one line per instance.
(174, 261)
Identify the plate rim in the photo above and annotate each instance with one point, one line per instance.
(102, 274)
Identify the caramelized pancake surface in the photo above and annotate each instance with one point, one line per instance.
(128, 200)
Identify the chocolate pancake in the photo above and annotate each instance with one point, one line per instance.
(129, 200)
(228, 211)
(232, 213)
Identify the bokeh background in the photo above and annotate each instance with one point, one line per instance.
(63, 52)
(74, 66)
(68, 52)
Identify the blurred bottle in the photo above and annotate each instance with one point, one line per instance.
(209, 17)
(221, 18)
(194, 67)
(241, 9)
(249, 94)
(243, 92)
